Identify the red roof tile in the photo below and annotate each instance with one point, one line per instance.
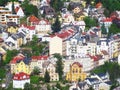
(107, 20)
(32, 18)
(21, 76)
(16, 9)
(31, 27)
(98, 5)
(35, 58)
(77, 63)
(16, 58)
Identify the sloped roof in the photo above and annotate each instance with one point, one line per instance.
(77, 63)
(21, 76)
(32, 18)
(36, 58)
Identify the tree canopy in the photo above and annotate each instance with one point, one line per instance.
(29, 9)
(56, 27)
(90, 22)
(57, 4)
(109, 67)
(59, 65)
(113, 29)
(47, 77)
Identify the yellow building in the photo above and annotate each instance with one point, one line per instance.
(22, 67)
(12, 29)
(75, 72)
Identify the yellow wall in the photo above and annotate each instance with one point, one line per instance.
(12, 29)
(75, 73)
(22, 67)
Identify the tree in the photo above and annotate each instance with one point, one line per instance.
(47, 77)
(58, 86)
(29, 9)
(36, 71)
(57, 4)
(13, 8)
(104, 32)
(59, 65)
(90, 22)
(113, 29)
(3, 2)
(10, 54)
(56, 27)
(28, 86)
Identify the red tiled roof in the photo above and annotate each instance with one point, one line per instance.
(31, 27)
(16, 9)
(35, 58)
(98, 5)
(107, 20)
(96, 57)
(77, 63)
(21, 76)
(16, 58)
(32, 18)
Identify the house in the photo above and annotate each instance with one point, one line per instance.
(12, 28)
(47, 11)
(29, 31)
(32, 20)
(75, 73)
(13, 18)
(20, 79)
(114, 46)
(57, 42)
(105, 85)
(51, 68)
(115, 15)
(43, 27)
(102, 45)
(9, 5)
(94, 82)
(20, 64)
(68, 18)
(37, 61)
(3, 14)
(19, 11)
(14, 41)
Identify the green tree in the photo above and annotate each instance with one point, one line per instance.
(56, 27)
(113, 29)
(3, 2)
(58, 86)
(10, 54)
(57, 4)
(104, 32)
(29, 9)
(36, 70)
(47, 77)
(13, 8)
(59, 65)
(90, 22)
(28, 86)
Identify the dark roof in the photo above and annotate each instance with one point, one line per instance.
(92, 79)
(101, 74)
(27, 60)
(109, 82)
(12, 24)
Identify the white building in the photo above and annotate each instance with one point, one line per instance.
(20, 79)
(43, 27)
